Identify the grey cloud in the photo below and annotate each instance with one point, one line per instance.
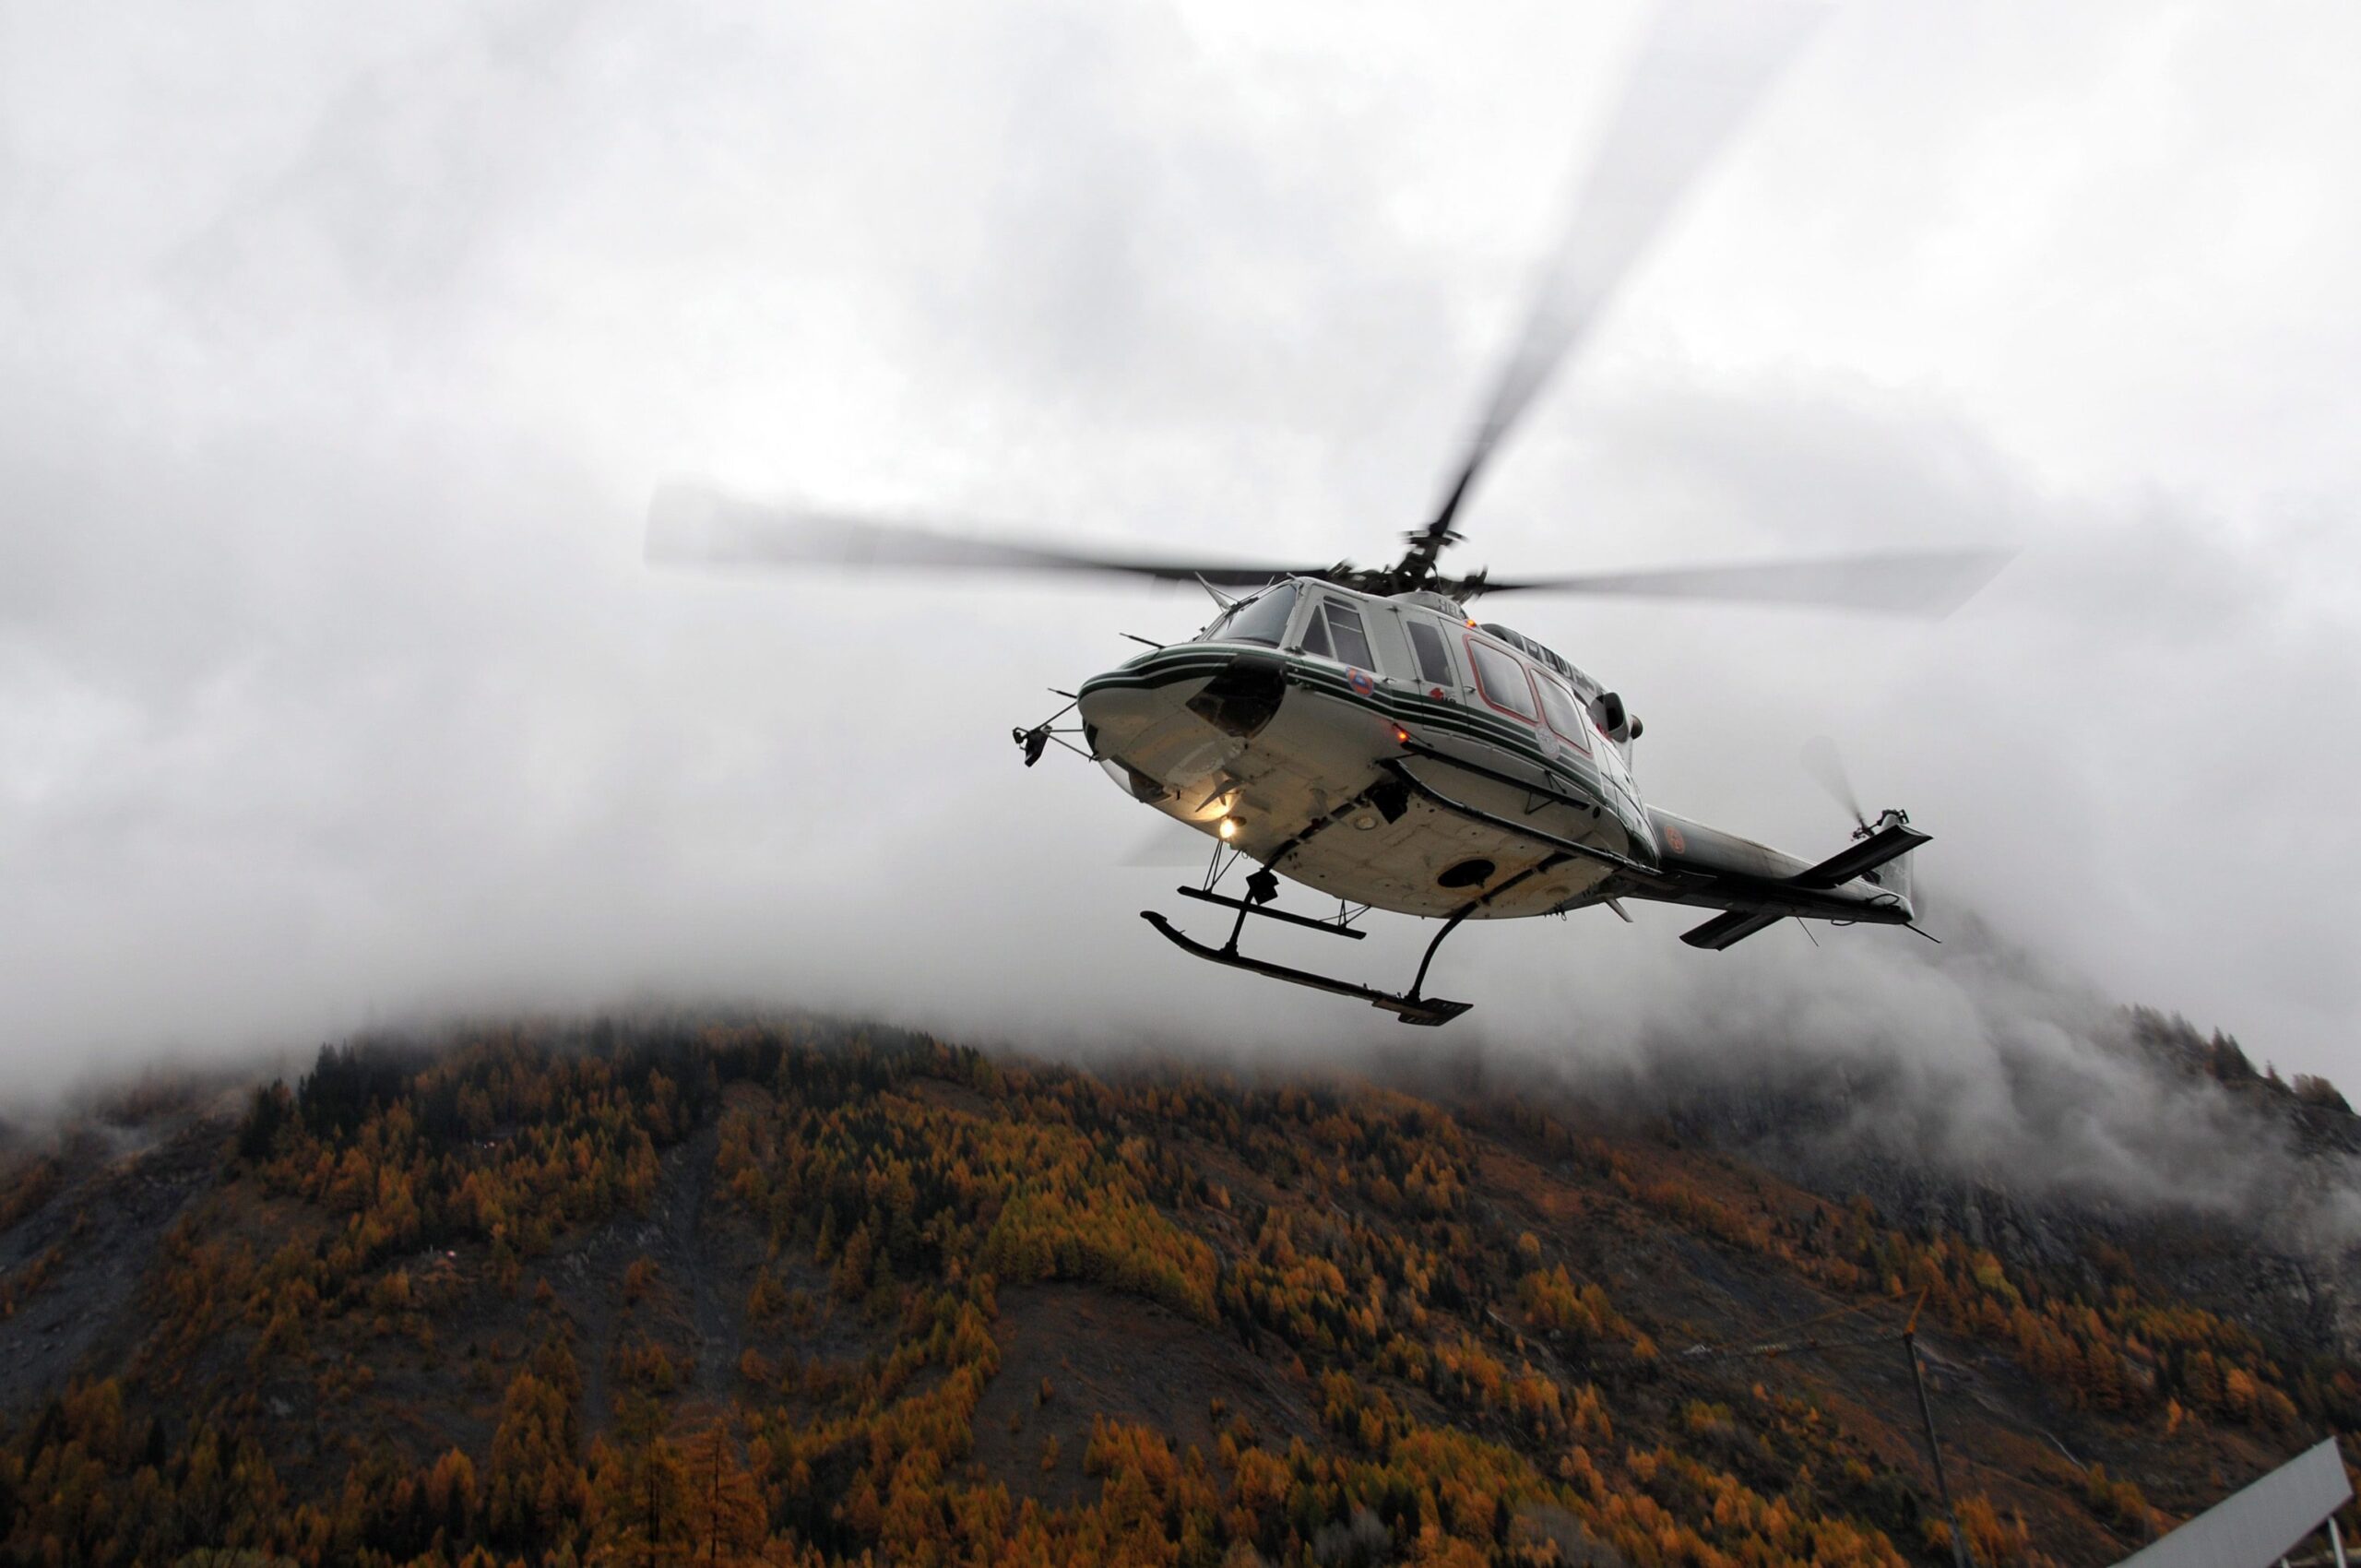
(332, 685)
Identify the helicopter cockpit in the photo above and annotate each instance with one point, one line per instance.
(1330, 622)
(1261, 618)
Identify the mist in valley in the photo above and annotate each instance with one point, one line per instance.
(337, 697)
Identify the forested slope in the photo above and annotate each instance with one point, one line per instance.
(779, 1290)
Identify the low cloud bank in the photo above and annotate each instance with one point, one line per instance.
(1976, 1065)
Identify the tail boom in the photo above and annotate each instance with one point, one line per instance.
(1756, 886)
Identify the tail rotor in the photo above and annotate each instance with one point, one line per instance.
(1826, 766)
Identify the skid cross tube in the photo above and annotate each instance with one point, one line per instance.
(1411, 1006)
(1410, 1009)
(1546, 864)
(1429, 957)
(1245, 907)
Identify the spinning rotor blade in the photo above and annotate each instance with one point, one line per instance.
(692, 523)
(1701, 67)
(1929, 583)
(1827, 768)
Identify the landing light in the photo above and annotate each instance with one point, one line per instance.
(1229, 828)
(1401, 736)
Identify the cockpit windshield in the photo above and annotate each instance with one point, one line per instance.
(1261, 618)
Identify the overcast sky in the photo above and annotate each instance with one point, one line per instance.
(340, 347)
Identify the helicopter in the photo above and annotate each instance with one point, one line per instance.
(1355, 729)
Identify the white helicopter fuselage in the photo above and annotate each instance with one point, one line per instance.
(1352, 728)
(1277, 728)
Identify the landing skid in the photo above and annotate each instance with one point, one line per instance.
(1409, 1006)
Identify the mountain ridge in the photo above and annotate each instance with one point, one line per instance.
(497, 1296)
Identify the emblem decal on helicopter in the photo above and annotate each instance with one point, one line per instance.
(1361, 681)
(1674, 841)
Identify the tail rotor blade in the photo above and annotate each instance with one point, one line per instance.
(1826, 766)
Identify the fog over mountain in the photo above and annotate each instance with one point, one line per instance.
(342, 355)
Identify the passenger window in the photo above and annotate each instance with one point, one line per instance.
(1434, 665)
(1565, 715)
(1315, 635)
(1501, 680)
(1352, 642)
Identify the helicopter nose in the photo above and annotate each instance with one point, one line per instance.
(1244, 695)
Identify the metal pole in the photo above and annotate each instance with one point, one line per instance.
(2336, 1539)
(1959, 1557)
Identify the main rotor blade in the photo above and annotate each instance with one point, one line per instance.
(692, 523)
(1701, 67)
(1930, 584)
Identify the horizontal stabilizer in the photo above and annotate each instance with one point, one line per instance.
(1736, 926)
(1893, 839)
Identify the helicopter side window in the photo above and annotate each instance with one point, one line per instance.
(1335, 631)
(1564, 713)
(1425, 643)
(1503, 680)
(1351, 639)
(1262, 619)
